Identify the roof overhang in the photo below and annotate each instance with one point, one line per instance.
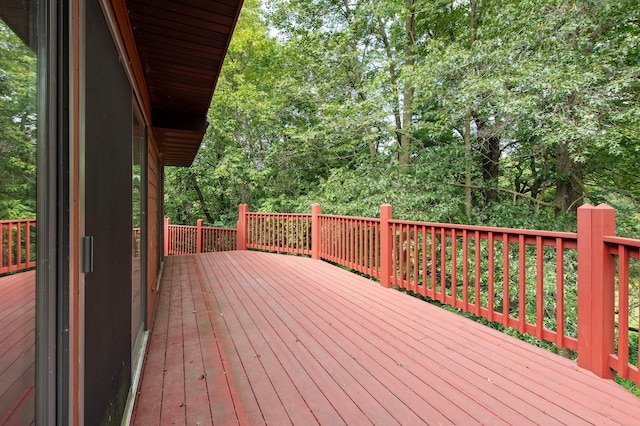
(177, 48)
(173, 51)
(16, 14)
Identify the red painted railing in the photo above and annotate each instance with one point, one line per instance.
(627, 254)
(181, 239)
(353, 242)
(17, 245)
(283, 233)
(531, 281)
(524, 279)
(494, 273)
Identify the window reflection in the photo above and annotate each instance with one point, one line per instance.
(18, 126)
(137, 214)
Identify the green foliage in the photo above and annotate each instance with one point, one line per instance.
(17, 127)
(308, 109)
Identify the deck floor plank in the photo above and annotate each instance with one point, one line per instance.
(173, 394)
(196, 393)
(290, 340)
(287, 343)
(478, 377)
(17, 348)
(354, 359)
(235, 385)
(389, 365)
(273, 352)
(471, 342)
(543, 371)
(150, 392)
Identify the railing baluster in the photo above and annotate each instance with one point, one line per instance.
(433, 262)
(505, 279)
(454, 268)
(10, 256)
(623, 312)
(465, 270)
(443, 265)
(522, 283)
(491, 284)
(477, 272)
(423, 230)
(539, 287)
(560, 292)
(416, 261)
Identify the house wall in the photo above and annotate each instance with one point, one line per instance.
(154, 225)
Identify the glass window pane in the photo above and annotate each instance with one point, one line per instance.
(18, 126)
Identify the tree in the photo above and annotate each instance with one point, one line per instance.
(525, 104)
(17, 127)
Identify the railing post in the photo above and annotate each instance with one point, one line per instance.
(315, 231)
(199, 236)
(167, 222)
(596, 289)
(242, 226)
(386, 214)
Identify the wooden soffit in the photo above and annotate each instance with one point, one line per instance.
(180, 46)
(17, 14)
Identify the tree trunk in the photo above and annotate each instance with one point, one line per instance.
(490, 151)
(491, 167)
(468, 199)
(467, 168)
(357, 83)
(407, 96)
(569, 186)
(205, 209)
(393, 78)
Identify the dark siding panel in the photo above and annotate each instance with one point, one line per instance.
(108, 220)
(155, 226)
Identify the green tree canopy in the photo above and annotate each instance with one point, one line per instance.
(504, 112)
(17, 127)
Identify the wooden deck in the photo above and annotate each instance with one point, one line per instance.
(256, 338)
(17, 349)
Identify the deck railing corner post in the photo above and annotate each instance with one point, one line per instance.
(386, 214)
(243, 209)
(596, 289)
(167, 223)
(199, 239)
(315, 231)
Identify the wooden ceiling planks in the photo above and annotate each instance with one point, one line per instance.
(17, 15)
(181, 45)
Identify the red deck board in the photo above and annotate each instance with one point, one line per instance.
(150, 394)
(362, 368)
(478, 377)
(290, 340)
(539, 372)
(315, 404)
(17, 348)
(534, 372)
(196, 396)
(388, 365)
(173, 395)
